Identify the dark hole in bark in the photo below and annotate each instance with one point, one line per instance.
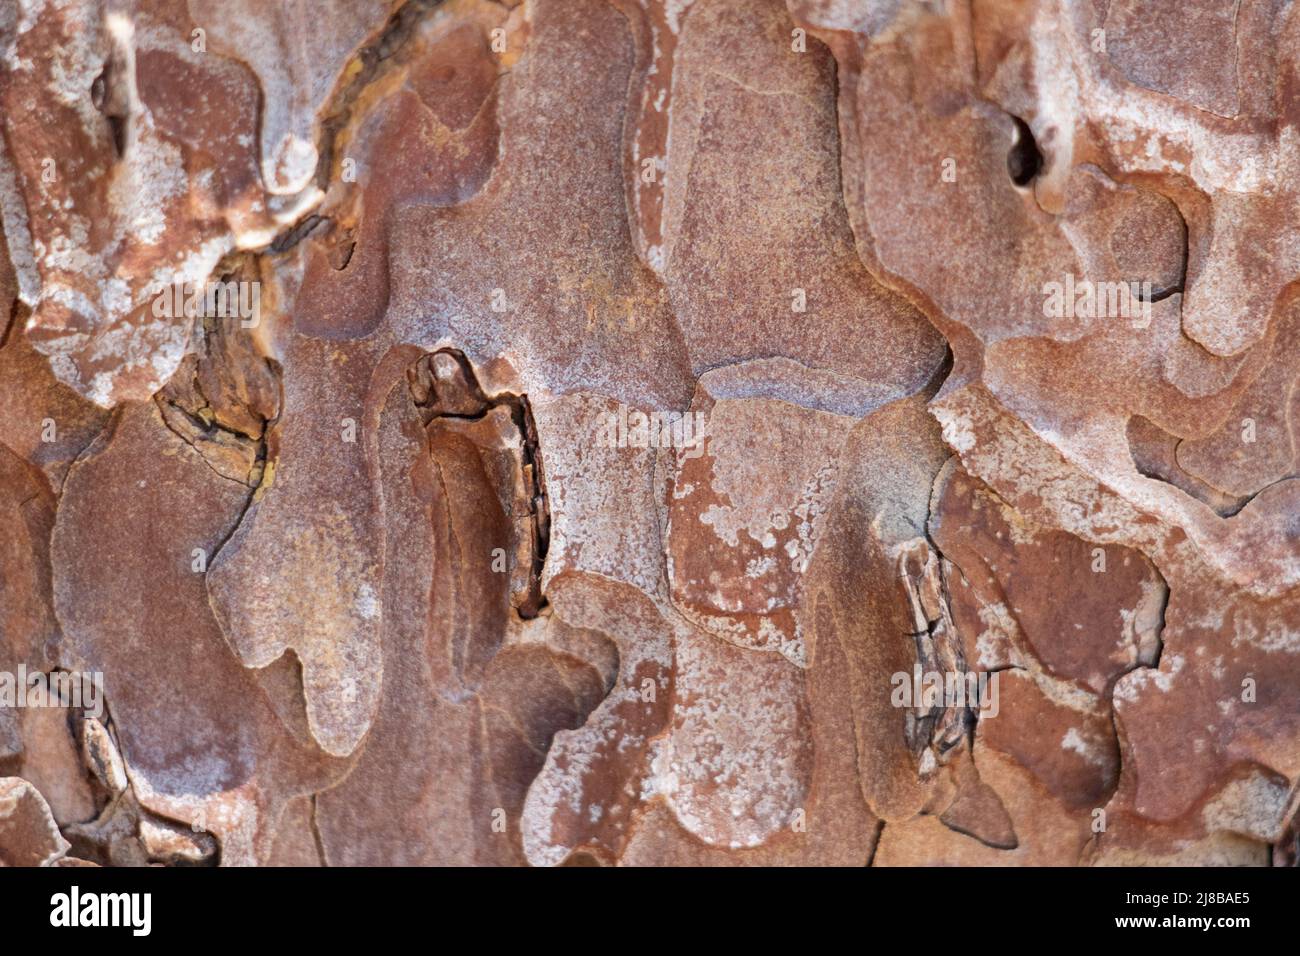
(1024, 161)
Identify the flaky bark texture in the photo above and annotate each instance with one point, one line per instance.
(649, 432)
